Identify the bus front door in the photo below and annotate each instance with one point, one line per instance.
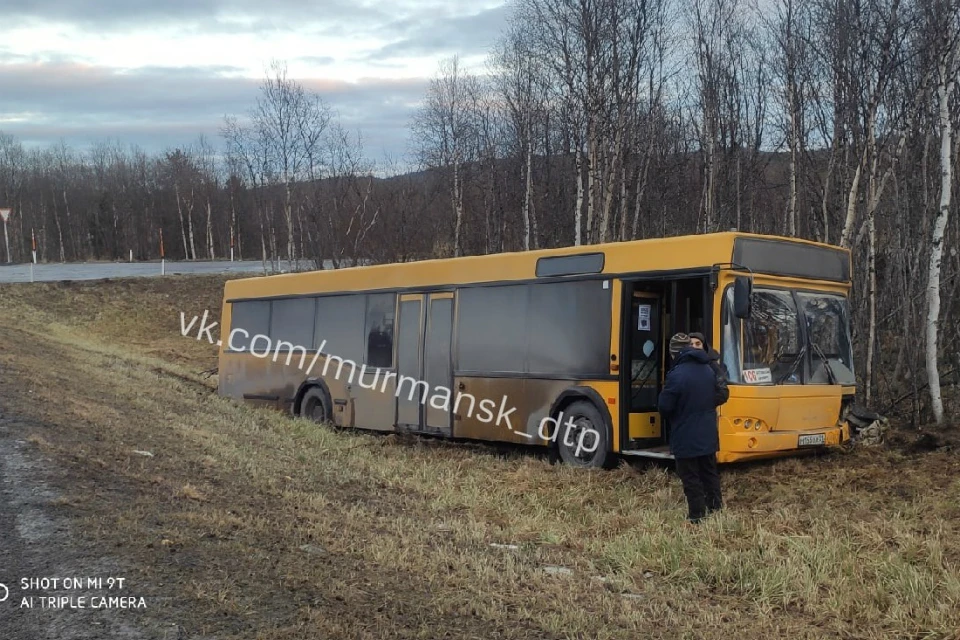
(643, 361)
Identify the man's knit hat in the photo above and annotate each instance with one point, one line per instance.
(699, 336)
(678, 342)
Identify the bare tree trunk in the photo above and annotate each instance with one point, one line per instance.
(528, 194)
(944, 90)
(739, 190)
(457, 210)
(825, 201)
(624, 203)
(56, 219)
(234, 236)
(872, 298)
(263, 245)
(274, 247)
(591, 182)
(209, 229)
(847, 234)
(193, 246)
(66, 213)
(487, 205)
(609, 187)
(302, 250)
(709, 194)
(533, 225)
(288, 218)
(578, 211)
(642, 186)
(183, 227)
(794, 142)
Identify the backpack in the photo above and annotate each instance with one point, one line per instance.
(722, 392)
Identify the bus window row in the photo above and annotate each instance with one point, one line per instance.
(357, 327)
(546, 329)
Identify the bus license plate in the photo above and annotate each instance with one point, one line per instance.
(812, 440)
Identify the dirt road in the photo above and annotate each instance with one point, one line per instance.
(40, 546)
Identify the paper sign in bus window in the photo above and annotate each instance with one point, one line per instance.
(754, 376)
(643, 317)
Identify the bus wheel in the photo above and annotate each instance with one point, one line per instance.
(313, 406)
(586, 443)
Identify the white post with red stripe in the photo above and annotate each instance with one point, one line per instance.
(5, 214)
(33, 244)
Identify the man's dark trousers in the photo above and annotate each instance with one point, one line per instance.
(701, 484)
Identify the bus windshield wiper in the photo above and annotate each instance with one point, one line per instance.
(793, 367)
(831, 376)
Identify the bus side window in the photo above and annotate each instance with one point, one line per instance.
(250, 316)
(292, 323)
(379, 329)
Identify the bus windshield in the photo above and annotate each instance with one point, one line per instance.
(792, 337)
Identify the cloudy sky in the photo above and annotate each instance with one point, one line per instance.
(159, 73)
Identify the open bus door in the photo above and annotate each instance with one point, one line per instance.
(644, 351)
(657, 310)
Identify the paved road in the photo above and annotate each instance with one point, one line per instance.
(97, 270)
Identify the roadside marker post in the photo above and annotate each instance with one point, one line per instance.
(5, 214)
(33, 245)
(163, 267)
(231, 244)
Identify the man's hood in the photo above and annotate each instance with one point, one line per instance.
(693, 355)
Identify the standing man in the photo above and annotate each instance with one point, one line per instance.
(689, 402)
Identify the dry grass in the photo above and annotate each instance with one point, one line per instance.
(858, 545)
(133, 314)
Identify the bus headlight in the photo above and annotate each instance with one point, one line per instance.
(748, 423)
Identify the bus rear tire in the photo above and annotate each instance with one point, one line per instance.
(588, 426)
(315, 406)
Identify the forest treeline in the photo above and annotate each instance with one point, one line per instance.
(592, 121)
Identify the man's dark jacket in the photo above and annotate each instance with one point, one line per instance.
(689, 402)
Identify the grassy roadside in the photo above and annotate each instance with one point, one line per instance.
(262, 526)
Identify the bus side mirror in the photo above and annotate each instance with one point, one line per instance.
(742, 290)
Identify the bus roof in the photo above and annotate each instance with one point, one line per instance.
(768, 254)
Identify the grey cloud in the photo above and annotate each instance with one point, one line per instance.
(145, 12)
(445, 35)
(156, 108)
(319, 61)
(51, 94)
(82, 89)
(222, 16)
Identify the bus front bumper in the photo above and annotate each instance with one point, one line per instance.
(749, 445)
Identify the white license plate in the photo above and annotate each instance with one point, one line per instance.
(812, 440)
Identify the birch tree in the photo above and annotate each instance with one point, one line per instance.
(521, 83)
(444, 127)
(291, 123)
(947, 69)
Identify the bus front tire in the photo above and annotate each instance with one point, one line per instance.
(587, 443)
(315, 406)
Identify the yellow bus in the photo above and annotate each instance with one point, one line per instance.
(562, 348)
